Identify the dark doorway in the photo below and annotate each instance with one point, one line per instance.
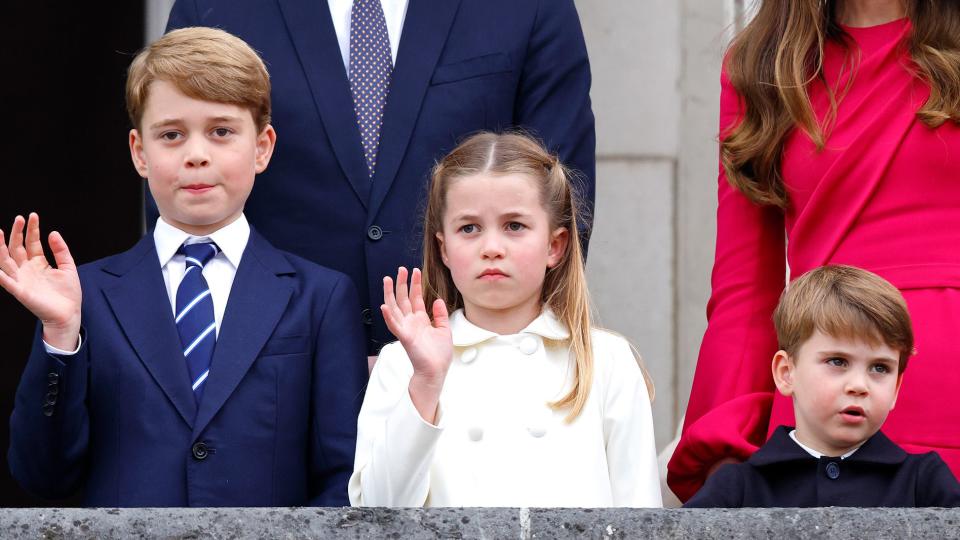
(65, 153)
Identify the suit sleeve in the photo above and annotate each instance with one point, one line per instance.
(553, 100)
(936, 485)
(50, 427)
(723, 490)
(732, 393)
(395, 446)
(628, 432)
(340, 374)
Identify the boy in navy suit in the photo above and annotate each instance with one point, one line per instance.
(845, 338)
(203, 367)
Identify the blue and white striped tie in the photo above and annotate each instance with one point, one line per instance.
(195, 322)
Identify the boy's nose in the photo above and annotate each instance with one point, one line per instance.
(856, 384)
(196, 156)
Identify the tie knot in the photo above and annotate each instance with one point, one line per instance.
(198, 254)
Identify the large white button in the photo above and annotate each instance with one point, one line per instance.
(528, 345)
(537, 431)
(475, 433)
(468, 355)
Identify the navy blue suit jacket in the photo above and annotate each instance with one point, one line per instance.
(277, 422)
(462, 66)
(879, 473)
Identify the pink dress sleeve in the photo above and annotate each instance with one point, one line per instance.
(730, 402)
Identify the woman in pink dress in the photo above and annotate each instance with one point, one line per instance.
(840, 144)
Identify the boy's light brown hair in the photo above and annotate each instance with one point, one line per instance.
(844, 302)
(203, 63)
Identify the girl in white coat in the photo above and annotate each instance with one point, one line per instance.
(513, 399)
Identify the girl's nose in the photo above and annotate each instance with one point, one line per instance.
(492, 247)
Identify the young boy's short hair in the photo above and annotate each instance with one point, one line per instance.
(203, 63)
(845, 302)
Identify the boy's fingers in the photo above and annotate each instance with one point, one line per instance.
(33, 245)
(61, 253)
(16, 241)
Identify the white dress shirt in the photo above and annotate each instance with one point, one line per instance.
(394, 11)
(219, 272)
(497, 442)
(811, 451)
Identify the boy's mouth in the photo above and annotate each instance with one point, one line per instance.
(853, 414)
(197, 188)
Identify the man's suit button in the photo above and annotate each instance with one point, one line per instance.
(375, 233)
(50, 399)
(200, 451)
(833, 470)
(366, 316)
(53, 377)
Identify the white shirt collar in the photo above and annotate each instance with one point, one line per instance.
(814, 453)
(546, 325)
(231, 239)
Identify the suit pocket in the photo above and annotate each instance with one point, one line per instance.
(471, 68)
(282, 345)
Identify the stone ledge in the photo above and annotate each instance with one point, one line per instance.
(523, 523)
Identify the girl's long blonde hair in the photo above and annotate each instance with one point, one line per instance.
(779, 54)
(565, 285)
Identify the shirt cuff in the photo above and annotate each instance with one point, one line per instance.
(60, 352)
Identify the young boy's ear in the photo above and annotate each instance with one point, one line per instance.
(136, 153)
(783, 367)
(266, 141)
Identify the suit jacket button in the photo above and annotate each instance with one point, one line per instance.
(833, 470)
(52, 376)
(50, 399)
(366, 316)
(200, 451)
(47, 410)
(375, 233)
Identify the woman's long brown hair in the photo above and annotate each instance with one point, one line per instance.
(773, 61)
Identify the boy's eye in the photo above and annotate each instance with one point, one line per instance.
(222, 132)
(469, 228)
(836, 361)
(170, 135)
(514, 226)
(880, 368)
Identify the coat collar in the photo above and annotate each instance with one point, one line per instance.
(781, 448)
(466, 334)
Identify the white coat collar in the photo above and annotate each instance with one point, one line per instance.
(546, 325)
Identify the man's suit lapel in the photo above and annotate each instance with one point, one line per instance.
(141, 305)
(425, 30)
(258, 298)
(315, 40)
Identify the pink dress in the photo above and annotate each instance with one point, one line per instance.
(884, 195)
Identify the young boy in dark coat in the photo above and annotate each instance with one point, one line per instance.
(845, 339)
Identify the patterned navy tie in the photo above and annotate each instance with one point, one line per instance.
(195, 322)
(370, 68)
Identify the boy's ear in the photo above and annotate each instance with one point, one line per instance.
(783, 367)
(558, 246)
(136, 153)
(443, 249)
(266, 141)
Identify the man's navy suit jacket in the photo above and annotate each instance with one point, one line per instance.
(277, 422)
(462, 66)
(879, 473)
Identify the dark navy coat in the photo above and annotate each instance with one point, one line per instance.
(782, 474)
(118, 421)
(462, 66)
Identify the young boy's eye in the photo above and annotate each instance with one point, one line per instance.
(837, 362)
(514, 226)
(880, 368)
(170, 135)
(222, 132)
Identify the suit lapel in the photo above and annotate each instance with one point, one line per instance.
(142, 308)
(425, 30)
(311, 30)
(258, 298)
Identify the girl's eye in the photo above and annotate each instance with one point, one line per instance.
(513, 226)
(837, 362)
(468, 228)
